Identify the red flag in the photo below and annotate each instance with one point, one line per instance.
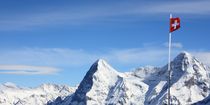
(174, 24)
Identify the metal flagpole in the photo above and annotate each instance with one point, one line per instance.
(169, 66)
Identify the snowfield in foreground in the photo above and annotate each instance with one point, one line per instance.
(103, 85)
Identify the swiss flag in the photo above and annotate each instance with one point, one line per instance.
(174, 24)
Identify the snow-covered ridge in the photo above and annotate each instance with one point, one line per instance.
(103, 85)
(10, 94)
(189, 82)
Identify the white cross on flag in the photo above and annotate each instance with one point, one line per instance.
(174, 24)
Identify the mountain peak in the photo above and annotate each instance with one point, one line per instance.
(100, 75)
(101, 66)
(183, 55)
(183, 60)
(104, 85)
(102, 62)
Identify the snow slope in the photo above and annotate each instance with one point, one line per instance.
(205, 101)
(103, 85)
(144, 86)
(189, 82)
(10, 94)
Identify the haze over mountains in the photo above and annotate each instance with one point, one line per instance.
(103, 85)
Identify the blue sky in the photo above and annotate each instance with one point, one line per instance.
(51, 41)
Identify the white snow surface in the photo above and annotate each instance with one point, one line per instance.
(189, 82)
(10, 94)
(103, 85)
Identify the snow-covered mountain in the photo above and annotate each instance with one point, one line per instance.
(145, 86)
(103, 85)
(10, 94)
(190, 82)
(205, 101)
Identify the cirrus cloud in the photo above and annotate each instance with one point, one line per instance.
(203, 56)
(55, 58)
(27, 70)
(90, 13)
(174, 45)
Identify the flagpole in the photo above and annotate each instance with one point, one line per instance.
(169, 66)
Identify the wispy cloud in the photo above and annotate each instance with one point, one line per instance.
(27, 70)
(59, 57)
(54, 58)
(95, 14)
(138, 56)
(203, 56)
(46, 56)
(174, 45)
(184, 7)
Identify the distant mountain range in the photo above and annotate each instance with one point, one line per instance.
(10, 94)
(103, 85)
